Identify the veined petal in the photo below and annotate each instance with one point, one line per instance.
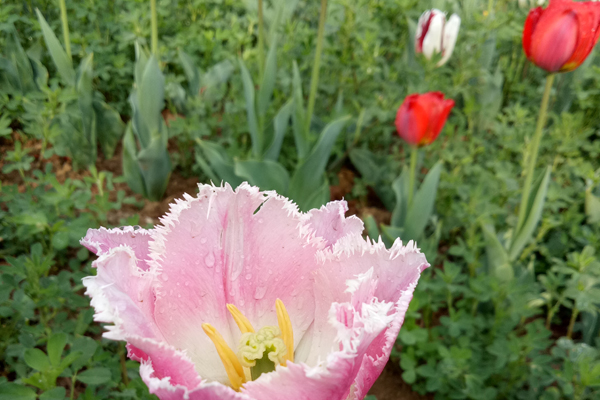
(449, 40)
(122, 294)
(395, 270)
(240, 247)
(329, 222)
(101, 241)
(166, 390)
(432, 42)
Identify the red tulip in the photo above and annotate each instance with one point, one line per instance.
(560, 37)
(421, 117)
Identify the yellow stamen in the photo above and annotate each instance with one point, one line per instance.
(233, 367)
(239, 318)
(285, 325)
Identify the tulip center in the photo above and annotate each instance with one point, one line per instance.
(262, 351)
(258, 352)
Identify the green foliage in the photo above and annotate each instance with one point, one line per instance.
(146, 161)
(505, 311)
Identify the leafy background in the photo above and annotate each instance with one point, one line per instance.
(469, 334)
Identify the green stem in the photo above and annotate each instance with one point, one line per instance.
(574, 315)
(154, 26)
(537, 138)
(413, 172)
(261, 39)
(314, 80)
(65, 26)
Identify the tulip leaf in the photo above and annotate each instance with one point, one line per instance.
(249, 94)
(191, 73)
(316, 198)
(371, 227)
(85, 96)
(155, 165)
(422, 205)
(57, 393)
(308, 178)
(535, 207)
(299, 116)
(265, 92)
(498, 261)
(400, 187)
(131, 169)
(150, 99)
(592, 207)
(280, 126)
(109, 126)
(63, 63)
(391, 233)
(266, 174)
(220, 162)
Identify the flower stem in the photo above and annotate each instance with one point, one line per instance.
(261, 39)
(154, 26)
(314, 80)
(65, 26)
(537, 138)
(413, 172)
(574, 315)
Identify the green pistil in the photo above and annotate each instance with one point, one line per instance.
(261, 351)
(263, 365)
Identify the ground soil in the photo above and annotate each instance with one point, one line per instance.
(389, 386)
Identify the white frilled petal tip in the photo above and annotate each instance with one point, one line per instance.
(346, 296)
(449, 41)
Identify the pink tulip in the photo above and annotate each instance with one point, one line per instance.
(238, 295)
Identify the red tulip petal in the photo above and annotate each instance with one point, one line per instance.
(412, 120)
(530, 23)
(554, 39)
(588, 16)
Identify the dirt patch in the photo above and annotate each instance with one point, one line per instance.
(390, 386)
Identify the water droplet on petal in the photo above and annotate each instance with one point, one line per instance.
(248, 277)
(260, 291)
(187, 283)
(270, 271)
(210, 260)
(203, 240)
(164, 277)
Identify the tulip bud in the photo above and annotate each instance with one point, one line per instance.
(421, 117)
(560, 37)
(436, 35)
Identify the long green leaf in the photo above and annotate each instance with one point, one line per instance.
(534, 213)
(155, 164)
(281, 123)
(400, 187)
(255, 133)
(498, 261)
(131, 169)
(309, 175)
(265, 92)
(422, 205)
(220, 163)
(299, 115)
(266, 174)
(109, 126)
(371, 227)
(85, 94)
(63, 63)
(191, 73)
(150, 97)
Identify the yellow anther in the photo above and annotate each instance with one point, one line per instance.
(285, 325)
(233, 367)
(239, 318)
